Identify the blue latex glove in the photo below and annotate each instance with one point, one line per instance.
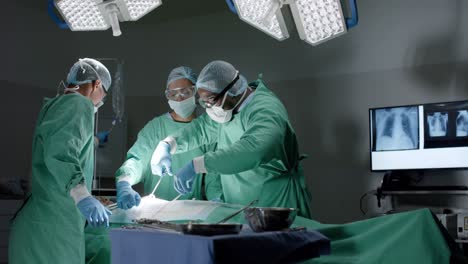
(216, 200)
(183, 182)
(96, 214)
(161, 160)
(126, 196)
(103, 137)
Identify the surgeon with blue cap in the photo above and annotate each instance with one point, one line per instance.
(180, 92)
(49, 228)
(257, 153)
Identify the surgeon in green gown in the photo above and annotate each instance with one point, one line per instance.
(257, 151)
(49, 228)
(180, 92)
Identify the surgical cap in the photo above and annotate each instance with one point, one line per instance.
(182, 73)
(88, 70)
(219, 74)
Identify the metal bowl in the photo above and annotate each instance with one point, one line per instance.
(263, 219)
(210, 229)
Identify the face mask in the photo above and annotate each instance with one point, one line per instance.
(96, 107)
(218, 114)
(183, 108)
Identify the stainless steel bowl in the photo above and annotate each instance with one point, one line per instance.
(263, 219)
(210, 229)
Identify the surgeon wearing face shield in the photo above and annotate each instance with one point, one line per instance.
(180, 92)
(49, 227)
(257, 153)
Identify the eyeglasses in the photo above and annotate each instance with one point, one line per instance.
(211, 101)
(179, 94)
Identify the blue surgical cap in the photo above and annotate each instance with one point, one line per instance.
(87, 70)
(182, 73)
(217, 75)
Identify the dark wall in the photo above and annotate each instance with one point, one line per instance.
(19, 109)
(331, 119)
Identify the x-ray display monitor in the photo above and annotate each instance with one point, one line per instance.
(446, 125)
(396, 128)
(415, 137)
(462, 123)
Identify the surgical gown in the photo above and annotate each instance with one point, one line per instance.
(137, 166)
(50, 228)
(257, 153)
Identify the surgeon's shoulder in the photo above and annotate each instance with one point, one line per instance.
(70, 104)
(265, 102)
(77, 101)
(204, 118)
(154, 125)
(156, 121)
(264, 97)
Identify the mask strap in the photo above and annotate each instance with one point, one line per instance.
(224, 100)
(73, 90)
(240, 100)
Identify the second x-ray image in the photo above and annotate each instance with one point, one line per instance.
(397, 128)
(437, 123)
(462, 123)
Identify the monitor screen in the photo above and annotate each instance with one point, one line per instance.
(396, 128)
(427, 136)
(446, 125)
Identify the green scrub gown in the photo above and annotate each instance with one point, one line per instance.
(257, 153)
(137, 166)
(50, 228)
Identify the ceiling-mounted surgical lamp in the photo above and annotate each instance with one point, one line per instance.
(91, 15)
(316, 21)
(265, 15)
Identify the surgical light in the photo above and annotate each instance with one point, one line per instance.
(316, 21)
(90, 15)
(264, 15)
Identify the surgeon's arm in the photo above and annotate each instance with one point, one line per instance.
(139, 155)
(258, 145)
(213, 187)
(73, 128)
(201, 131)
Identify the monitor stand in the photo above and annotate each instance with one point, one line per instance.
(401, 181)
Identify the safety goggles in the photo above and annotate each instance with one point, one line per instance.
(211, 101)
(179, 94)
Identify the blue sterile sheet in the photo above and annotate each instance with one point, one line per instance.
(144, 245)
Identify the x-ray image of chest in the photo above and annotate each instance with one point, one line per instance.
(462, 123)
(437, 123)
(397, 128)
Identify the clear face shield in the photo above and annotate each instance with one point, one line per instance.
(180, 94)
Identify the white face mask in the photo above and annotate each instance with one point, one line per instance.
(96, 107)
(218, 114)
(183, 108)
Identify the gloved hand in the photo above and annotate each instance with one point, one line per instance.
(96, 214)
(161, 160)
(183, 182)
(216, 200)
(103, 137)
(126, 196)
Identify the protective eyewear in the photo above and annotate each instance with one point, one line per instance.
(210, 102)
(179, 94)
